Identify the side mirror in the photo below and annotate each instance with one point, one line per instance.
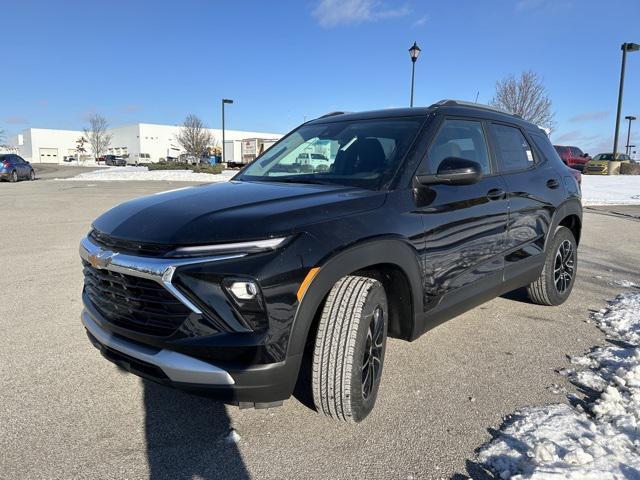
(585, 155)
(453, 171)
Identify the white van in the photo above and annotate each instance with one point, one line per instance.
(136, 158)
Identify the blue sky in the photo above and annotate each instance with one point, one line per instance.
(281, 61)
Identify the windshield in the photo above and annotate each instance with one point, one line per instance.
(609, 156)
(362, 153)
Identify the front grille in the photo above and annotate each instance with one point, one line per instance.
(133, 303)
(128, 246)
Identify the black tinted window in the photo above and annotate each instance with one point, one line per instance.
(576, 152)
(462, 139)
(512, 148)
(543, 144)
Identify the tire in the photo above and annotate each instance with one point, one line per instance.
(14, 177)
(558, 275)
(32, 175)
(349, 349)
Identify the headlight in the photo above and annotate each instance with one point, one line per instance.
(223, 248)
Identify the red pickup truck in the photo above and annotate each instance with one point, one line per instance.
(572, 156)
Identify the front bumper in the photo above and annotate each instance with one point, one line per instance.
(258, 386)
(177, 367)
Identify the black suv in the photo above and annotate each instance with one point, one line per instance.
(238, 289)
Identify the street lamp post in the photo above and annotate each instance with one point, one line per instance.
(224, 101)
(414, 51)
(631, 118)
(626, 47)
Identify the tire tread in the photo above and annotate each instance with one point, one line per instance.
(333, 353)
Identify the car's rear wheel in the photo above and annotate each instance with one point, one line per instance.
(32, 175)
(558, 275)
(14, 177)
(349, 349)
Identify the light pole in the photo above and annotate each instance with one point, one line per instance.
(631, 118)
(626, 47)
(414, 51)
(224, 100)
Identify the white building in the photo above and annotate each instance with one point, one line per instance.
(43, 145)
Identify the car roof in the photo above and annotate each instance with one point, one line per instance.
(446, 107)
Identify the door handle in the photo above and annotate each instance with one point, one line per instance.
(552, 183)
(496, 194)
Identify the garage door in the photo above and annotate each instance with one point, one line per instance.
(48, 155)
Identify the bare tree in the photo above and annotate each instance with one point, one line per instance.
(194, 136)
(80, 150)
(525, 96)
(97, 136)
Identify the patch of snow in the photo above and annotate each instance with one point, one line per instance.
(611, 190)
(561, 441)
(143, 173)
(625, 283)
(232, 437)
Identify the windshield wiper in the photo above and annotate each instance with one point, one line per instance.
(309, 181)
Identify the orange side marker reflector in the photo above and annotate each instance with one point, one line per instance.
(306, 282)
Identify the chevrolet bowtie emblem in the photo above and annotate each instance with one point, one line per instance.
(101, 259)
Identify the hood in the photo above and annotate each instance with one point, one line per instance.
(232, 211)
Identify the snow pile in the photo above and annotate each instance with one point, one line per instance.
(611, 190)
(143, 173)
(560, 441)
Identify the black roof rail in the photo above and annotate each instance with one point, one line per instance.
(331, 114)
(462, 103)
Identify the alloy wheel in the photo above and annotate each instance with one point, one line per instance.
(564, 266)
(372, 360)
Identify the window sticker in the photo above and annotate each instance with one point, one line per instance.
(529, 155)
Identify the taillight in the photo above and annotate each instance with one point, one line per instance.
(6, 164)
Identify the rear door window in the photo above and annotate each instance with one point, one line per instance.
(513, 149)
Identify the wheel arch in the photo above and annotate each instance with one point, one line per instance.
(569, 215)
(392, 261)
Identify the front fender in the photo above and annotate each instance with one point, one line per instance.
(394, 251)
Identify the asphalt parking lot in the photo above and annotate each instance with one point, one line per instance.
(65, 412)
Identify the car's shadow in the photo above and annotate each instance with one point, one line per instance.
(517, 295)
(189, 437)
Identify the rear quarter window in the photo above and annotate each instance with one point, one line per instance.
(545, 147)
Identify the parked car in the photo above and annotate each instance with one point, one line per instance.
(188, 158)
(136, 158)
(572, 156)
(255, 285)
(599, 165)
(114, 160)
(13, 168)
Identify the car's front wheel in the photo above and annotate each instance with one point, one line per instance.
(558, 275)
(349, 349)
(32, 175)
